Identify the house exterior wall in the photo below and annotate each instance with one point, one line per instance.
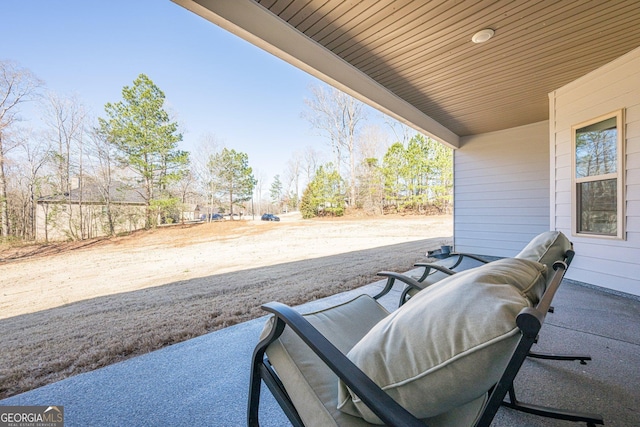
(606, 262)
(501, 190)
(54, 220)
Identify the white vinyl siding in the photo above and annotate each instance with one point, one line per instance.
(610, 263)
(501, 190)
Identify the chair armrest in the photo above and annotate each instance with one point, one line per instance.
(429, 266)
(462, 255)
(387, 409)
(391, 279)
(448, 270)
(477, 258)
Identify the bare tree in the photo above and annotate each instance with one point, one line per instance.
(372, 143)
(312, 160)
(292, 176)
(32, 155)
(337, 116)
(185, 188)
(261, 181)
(208, 146)
(101, 165)
(17, 85)
(402, 132)
(65, 117)
(371, 186)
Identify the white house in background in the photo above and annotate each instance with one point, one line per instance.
(512, 107)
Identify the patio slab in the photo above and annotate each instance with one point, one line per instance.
(204, 381)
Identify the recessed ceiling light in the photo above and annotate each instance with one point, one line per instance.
(482, 35)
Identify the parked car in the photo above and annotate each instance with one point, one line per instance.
(269, 217)
(212, 217)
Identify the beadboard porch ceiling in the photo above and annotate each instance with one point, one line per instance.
(414, 59)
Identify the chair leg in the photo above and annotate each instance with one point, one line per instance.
(544, 411)
(552, 356)
(280, 394)
(255, 382)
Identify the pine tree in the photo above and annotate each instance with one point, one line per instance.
(233, 176)
(146, 140)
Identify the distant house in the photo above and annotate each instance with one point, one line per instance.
(90, 211)
(190, 212)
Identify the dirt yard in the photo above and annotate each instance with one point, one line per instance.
(74, 307)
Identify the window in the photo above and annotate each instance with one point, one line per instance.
(598, 171)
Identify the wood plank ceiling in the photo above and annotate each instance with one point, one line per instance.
(422, 50)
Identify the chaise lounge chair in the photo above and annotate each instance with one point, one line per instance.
(546, 248)
(448, 357)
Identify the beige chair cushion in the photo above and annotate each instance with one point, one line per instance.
(450, 343)
(546, 248)
(313, 387)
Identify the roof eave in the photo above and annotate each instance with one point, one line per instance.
(253, 23)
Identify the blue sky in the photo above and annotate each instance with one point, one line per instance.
(215, 82)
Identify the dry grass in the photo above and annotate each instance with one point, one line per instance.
(78, 307)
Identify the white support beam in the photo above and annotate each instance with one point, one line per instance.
(255, 24)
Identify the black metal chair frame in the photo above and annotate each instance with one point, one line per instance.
(512, 401)
(529, 320)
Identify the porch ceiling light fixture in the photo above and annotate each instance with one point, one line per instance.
(482, 35)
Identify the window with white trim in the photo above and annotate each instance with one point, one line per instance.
(598, 175)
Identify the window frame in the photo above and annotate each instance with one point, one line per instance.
(619, 175)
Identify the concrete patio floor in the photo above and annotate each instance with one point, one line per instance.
(204, 381)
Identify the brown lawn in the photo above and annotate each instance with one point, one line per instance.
(74, 307)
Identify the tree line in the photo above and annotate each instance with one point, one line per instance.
(416, 177)
(84, 177)
(414, 174)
